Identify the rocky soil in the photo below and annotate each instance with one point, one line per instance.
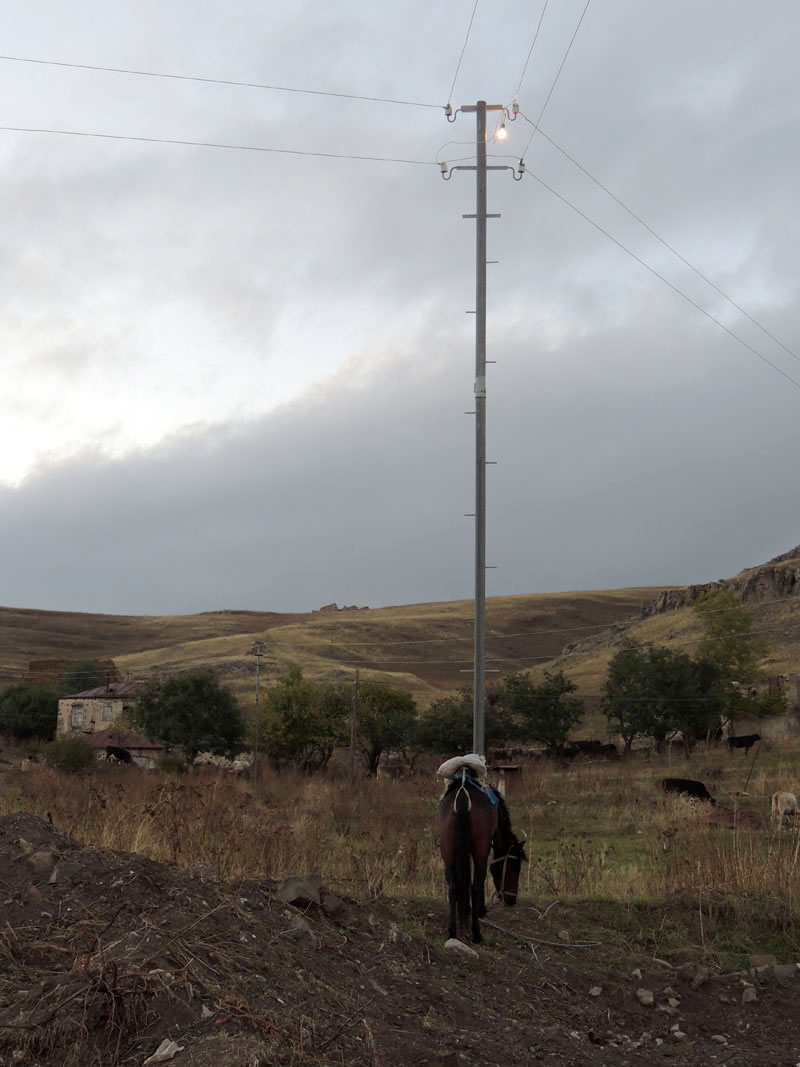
(108, 957)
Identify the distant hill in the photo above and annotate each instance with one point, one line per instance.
(424, 648)
(770, 591)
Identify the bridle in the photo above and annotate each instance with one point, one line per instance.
(504, 860)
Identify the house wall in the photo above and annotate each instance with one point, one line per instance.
(103, 711)
(772, 727)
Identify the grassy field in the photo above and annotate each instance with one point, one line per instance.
(602, 836)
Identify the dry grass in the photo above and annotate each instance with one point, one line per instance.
(418, 647)
(597, 831)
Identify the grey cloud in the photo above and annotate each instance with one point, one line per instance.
(185, 289)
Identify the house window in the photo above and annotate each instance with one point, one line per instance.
(76, 716)
(107, 711)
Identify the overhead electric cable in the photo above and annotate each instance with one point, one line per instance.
(530, 50)
(666, 281)
(463, 50)
(558, 74)
(212, 144)
(659, 238)
(216, 81)
(370, 662)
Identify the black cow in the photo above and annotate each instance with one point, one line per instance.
(120, 754)
(746, 741)
(687, 787)
(587, 748)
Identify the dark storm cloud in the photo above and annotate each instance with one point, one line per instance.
(358, 493)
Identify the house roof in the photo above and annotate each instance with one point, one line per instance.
(103, 692)
(123, 739)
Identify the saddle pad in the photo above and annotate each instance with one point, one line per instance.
(473, 762)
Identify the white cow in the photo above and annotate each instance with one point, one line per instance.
(784, 804)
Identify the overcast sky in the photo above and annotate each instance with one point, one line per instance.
(237, 378)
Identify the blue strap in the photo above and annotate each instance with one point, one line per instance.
(464, 772)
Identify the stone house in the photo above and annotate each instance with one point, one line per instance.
(95, 709)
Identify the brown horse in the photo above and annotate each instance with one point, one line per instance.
(472, 822)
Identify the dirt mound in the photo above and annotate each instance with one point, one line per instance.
(106, 955)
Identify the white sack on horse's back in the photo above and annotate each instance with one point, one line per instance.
(472, 762)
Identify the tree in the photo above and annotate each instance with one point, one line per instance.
(625, 691)
(80, 676)
(386, 720)
(300, 723)
(447, 725)
(192, 710)
(544, 712)
(29, 711)
(656, 692)
(731, 646)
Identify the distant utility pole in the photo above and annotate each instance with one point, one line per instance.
(481, 109)
(258, 650)
(354, 728)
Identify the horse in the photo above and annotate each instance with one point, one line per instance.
(474, 821)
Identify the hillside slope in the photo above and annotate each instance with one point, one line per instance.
(425, 648)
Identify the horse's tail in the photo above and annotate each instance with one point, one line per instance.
(462, 863)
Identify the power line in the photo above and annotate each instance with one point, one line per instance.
(530, 50)
(463, 50)
(364, 660)
(649, 644)
(216, 81)
(558, 73)
(213, 144)
(659, 238)
(666, 281)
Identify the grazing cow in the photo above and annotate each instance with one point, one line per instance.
(591, 748)
(746, 741)
(687, 787)
(610, 750)
(784, 804)
(120, 754)
(586, 748)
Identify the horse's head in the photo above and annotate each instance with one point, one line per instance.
(506, 867)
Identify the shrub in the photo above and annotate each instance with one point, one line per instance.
(28, 711)
(173, 763)
(71, 754)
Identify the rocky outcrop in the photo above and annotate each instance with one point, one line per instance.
(672, 599)
(792, 554)
(606, 639)
(771, 583)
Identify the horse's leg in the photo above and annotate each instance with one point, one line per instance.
(478, 901)
(452, 896)
(483, 910)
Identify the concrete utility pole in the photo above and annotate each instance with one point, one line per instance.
(481, 109)
(354, 728)
(258, 651)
